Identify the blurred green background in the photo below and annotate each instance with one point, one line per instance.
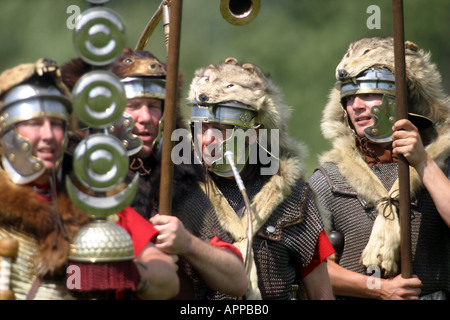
(299, 42)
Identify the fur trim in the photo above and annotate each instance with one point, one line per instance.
(425, 97)
(25, 212)
(273, 193)
(247, 84)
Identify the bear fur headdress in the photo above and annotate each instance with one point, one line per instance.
(425, 96)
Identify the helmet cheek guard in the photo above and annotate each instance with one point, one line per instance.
(122, 130)
(235, 114)
(17, 159)
(384, 116)
(379, 81)
(139, 87)
(221, 167)
(23, 102)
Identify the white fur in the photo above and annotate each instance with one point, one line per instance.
(425, 97)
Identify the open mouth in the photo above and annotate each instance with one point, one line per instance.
(145, 136)
(46, 150)
(46, 154)
(363, 119)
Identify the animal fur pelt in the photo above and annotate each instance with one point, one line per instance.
(425, 97)
(130, 63)
(43, 67)
(22, 210)
(247, 84)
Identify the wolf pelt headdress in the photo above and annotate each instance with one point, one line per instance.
(247, 84)
(425, 96)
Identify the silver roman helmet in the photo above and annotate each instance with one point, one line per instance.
(143, 87)
(378, 80)
(35, 92)
(241, 117)
(144, 76)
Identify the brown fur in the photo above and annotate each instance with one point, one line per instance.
(22, 210)
(43, 67)
(130, 63)
(72, 71)
(141, 63)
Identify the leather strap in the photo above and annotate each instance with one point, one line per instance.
(34, 288)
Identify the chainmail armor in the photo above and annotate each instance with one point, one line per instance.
(204, 225)
(234, 196)
(286, 241)
(354, 218)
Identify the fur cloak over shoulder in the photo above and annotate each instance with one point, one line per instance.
(425, 97)
(22, 210)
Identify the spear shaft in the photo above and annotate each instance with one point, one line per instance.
(402, 113)
(170, 108)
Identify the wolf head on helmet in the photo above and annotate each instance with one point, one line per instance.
(245, 83)
(143, 75)
(368, 66)
(243, 96)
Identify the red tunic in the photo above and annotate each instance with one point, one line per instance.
(323, 250)
(142, 232)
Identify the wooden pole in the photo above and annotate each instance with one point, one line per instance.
(170, 108)
(402, 113)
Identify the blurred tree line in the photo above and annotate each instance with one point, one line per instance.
(298, 42)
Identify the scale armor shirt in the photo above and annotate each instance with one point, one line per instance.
(23, 275)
